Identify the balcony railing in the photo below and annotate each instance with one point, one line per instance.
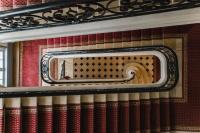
(70, 12)
(168, 75)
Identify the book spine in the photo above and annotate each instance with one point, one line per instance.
(87, 114)
(123, 113)
(6, 5)
(60, 114)
(29, 115)
(74, 114)
(45, 112)
(19, 3)
(12, 115)
(145, 106)
(112, 113)
(1, 116)
(100, 113)
(134, 113)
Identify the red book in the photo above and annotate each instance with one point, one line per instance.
(60, 114)
(6, 5)
(134, 112)
(19, 3)
(155, 112)
(74, 114)
(123, 113)
(1, 116)
(29, 115)
(100, 113)
(12, 115)
(45, 113)
(34, 2)
(145, 108)
(87, 114)
(112, 113)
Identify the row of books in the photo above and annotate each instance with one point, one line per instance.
(111, 113)
(10, 4)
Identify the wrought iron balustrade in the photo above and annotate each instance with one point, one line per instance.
(69, 12)
(169, 76)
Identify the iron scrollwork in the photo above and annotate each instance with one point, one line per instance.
(172, 71)
(68, 13)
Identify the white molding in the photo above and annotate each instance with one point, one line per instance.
(161, 57)
(181, 17)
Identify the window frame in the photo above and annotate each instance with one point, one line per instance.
(3, 69)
